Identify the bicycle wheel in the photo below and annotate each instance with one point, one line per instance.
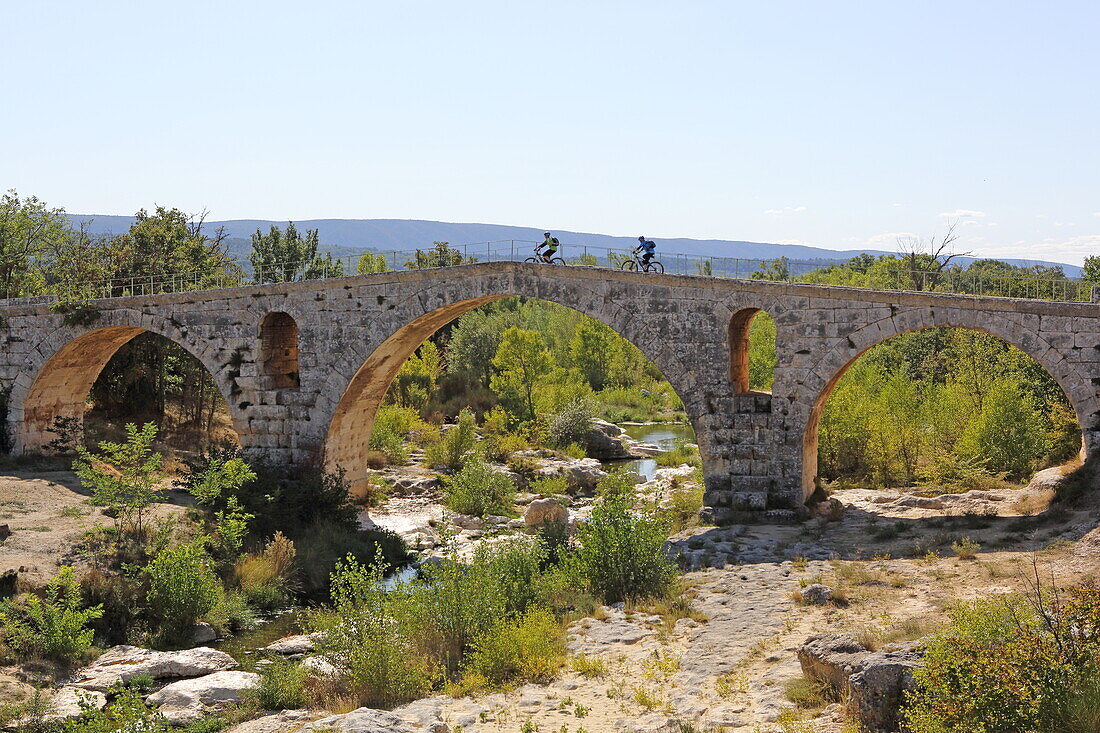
(531, 259)
(557, 261)
(655, 266)
(629, 265)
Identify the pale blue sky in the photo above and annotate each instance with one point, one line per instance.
(832, 124)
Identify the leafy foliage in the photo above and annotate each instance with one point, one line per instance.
(182, 587)
(53, 626)
(479, 490)
(123, 476)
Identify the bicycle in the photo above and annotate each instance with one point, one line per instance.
(538, 258)
(634, 265)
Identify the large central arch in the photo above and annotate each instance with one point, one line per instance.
(835, 363)
(60, 370)
(416, 319)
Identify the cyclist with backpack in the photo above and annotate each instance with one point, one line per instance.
(551, 244)
(648, 249)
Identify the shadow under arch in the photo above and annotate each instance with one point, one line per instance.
(1011, 333)
(58, 383)
(350, 427)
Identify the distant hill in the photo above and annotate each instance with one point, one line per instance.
(351, 236)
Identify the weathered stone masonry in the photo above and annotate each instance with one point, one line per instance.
(307, 380)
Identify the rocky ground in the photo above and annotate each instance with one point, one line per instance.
(880, 567)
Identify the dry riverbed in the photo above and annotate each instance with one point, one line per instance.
(726, 664)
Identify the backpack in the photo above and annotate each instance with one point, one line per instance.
(649, 246)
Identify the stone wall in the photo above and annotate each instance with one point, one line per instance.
(759, 450)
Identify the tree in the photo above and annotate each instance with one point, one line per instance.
(474, 342)
(923, 262)
(170, 244)
(592, 351)
(1091, 270)
(371, 263)
(777, 270)
(29, 229)
(286, 256)
(123, 476)
(1008, 434)
(521, 361)
(440, 255)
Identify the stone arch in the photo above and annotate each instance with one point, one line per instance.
(279, 351)
(61, 368)
(830, 368)
(354, 391)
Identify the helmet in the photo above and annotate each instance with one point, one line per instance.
(546, 234)
(641, 239)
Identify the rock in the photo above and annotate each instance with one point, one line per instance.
(582, 474)
(413, 484)
(5, 532)
(278, 722)
(363, 720)
(879, 686)
(203, 633)
(320, 667)
(918, 502)
(1049, 479)
(119, 664)
(875, 682)
(291, 645)
(187, 700)
(602, 441)
(69, 703)
(468, 521)
(817, 594)
(545, 511)
(832, 659)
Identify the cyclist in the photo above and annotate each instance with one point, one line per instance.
(648, 250)
(551, 244)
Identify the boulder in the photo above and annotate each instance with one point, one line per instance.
(545, 511)
(69, 703)
(320, 667)
(832, 659)
(817, 594)
(291, 645)
(881, 682)
(277, 722)
(203, 633)
(363, 720)
(874, 682)
(582, 474)
(468, 521)
(120, 664)
(603, 441)
(187, 700)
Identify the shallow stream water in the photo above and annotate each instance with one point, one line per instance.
(664, 435)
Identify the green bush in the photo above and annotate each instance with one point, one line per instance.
(282, 686)
(182, 588)
(479, 490)
(390, 444)
(681, 454)
(125, 713)
(530, 648)
(123, 476)
(369, 641)
(53, 626)
(572, 423)
(621, 554)
(457, 445)
(322, 545)
(1004, 665)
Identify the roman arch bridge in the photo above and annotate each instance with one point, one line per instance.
(303, 366)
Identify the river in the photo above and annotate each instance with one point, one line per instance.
(664, 435)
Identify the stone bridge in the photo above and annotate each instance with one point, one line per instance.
(303, 366)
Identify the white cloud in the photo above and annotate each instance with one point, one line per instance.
(963, 214)
(785, 210)
(1096, 213)
(1072, 250)
(889, 237)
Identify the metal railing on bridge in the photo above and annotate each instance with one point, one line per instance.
(781, 269)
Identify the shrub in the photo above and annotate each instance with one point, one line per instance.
(391, 445)
(282, 686)
(456, 446)
(322, 545)
(1013, 664)
(369, 642)
(571, 423)
(530, 648)
(123, 476)
(53, 626)
(479, 490)
(267, 578)
(621, 554)
(232, 614)
(966, 548)
(681, 454)
(182, 587)
(126, 712)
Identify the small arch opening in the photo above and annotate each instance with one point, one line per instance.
(752, 351)
(279, 350)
